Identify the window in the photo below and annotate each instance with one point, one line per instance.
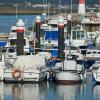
(11, 50)
(88, 52)
(80, 35)
(74, 35)
(94, 52)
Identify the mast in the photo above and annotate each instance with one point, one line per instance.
(69, 30)
(99, 6)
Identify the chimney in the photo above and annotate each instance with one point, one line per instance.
(81, 7)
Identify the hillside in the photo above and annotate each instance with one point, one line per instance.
(89, 2)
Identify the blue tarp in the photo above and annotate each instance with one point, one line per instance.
(54, 53)
(3, 43)
(51, 35)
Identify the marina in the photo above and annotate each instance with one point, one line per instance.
(56, 57)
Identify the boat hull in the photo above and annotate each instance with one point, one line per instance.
(26, 76)
(96, 75)
(68, 77)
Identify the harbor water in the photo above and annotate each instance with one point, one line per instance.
(50, 91)
(86, 90)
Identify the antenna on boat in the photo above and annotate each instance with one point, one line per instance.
(44, 10)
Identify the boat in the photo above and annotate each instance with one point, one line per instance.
(28, 68)
(78, 37)
(50, 31)
(96, 71)
(10, 47)
(2, 66)
(92, 26)
(91, 55)
(71, 72)
(12, 39)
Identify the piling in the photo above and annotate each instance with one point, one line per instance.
(61, 38)
(20, 37)
(38, 23)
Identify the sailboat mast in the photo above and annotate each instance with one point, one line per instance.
(99, 6)
(69, 30)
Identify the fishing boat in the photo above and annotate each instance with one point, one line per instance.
(78, 37)
(28, 68)
(71, 72)
(96, 71)
(92, 26)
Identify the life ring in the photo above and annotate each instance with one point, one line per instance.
(16, 73)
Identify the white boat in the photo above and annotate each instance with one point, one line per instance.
(10, 52)
(28, 68)
(92, 26)
(54, 21)
(12, 39)
(92, 54)
(50, 29)
(78, 37)
(96, 71)
(2, 66)
(71, 72)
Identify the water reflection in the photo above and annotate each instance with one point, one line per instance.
(68, 92)
(42, 91)
(50, 91)
(96, 92)
(1, 91)
(24, 92)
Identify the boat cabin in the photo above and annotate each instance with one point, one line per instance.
(93, 53)
(78, 37)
